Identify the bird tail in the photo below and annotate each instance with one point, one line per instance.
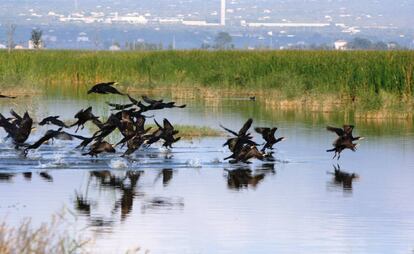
(331, 150)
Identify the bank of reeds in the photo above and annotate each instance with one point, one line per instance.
(50, 237)
(368, 79)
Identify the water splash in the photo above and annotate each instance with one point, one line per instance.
(118, 163)
(194, 163)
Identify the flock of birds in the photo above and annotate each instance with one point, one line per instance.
(244, 148)
(129, 120)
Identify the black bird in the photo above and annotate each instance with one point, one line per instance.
(7, 97)
(235, 144)
(85, 115)
(156, 104)
(245, 154)
(105, 88)
(168, 133)
(268, 135)
(153, 137)
(85, 140)
(19, 128)
(53, 120)
(243, 131)
(50, 134)
(134, 144)
(346, 131)
(120, 106)
(100, 147)
(344, 141)
(340, 144)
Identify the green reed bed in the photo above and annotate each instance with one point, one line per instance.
(371, 77)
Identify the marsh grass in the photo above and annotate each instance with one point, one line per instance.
(47, 238)
(354, 77)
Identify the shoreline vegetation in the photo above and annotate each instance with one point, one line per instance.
(373, 84)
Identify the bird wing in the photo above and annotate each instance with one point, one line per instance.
(159, 126)
(232, 132)
(57, 122)
(134, 101)
(79, 113)
(264, 131)
(245, 127)
(17, 116)
(168, 125)
(150, 101)
(338, 131)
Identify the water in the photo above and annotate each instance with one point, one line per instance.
(188, 200)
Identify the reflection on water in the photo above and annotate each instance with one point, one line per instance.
(343, 179)
(242, 177)
(188, 200)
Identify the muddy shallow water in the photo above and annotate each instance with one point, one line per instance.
(188, 200)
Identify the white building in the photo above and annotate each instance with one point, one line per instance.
(340, 45)
(114, 48)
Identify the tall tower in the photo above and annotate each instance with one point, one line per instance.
(223, 13)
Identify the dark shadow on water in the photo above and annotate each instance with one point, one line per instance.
(342, 179)
(46, 176)
(162, 203)
(243, 178)
(6, 177)
(166, 174)
(27, 176)
(126, 184)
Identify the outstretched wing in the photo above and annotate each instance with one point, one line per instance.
(245, 127)
(17, 116)
(149, 101)
(134, 101)
(168, 125)
(264, 131)
(338, 131)
(159, 126)
(232, 132)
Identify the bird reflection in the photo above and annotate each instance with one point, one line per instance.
(6, 177)
(342, 178)
(82, 204)
(106, 179)
(128, 193)
(46, 176)
(242, 177)
(166, 174)
(268, 168)
(27, 175)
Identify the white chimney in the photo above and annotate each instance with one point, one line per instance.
(223, 13)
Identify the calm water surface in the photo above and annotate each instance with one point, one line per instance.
(188, 200)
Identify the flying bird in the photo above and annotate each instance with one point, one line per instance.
(105, 88)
